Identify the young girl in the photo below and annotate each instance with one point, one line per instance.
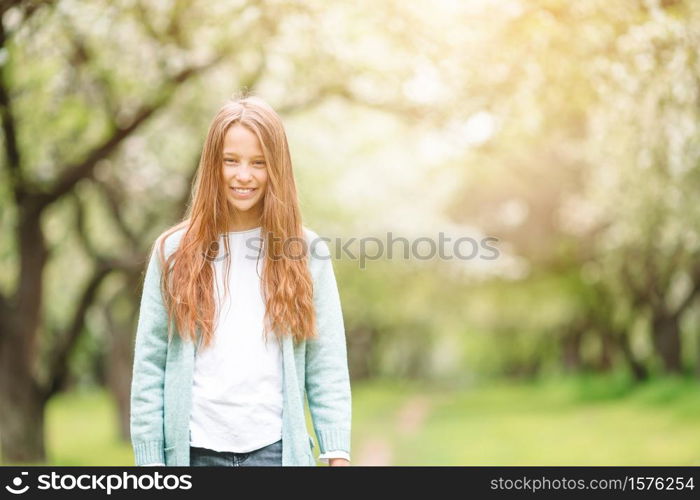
(246, 321)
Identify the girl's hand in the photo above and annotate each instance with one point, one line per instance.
(332, 462)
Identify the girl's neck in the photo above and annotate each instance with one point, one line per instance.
(244, 225)
(243, 221)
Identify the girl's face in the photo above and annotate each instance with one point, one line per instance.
(245, 173)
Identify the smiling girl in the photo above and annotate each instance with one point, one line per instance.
(246, 321)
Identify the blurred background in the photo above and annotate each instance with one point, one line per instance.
(567, 130)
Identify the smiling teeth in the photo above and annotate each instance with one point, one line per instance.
(243, 191)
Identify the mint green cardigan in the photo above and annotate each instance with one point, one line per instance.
(161, 387)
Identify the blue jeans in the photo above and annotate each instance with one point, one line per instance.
(267, 456)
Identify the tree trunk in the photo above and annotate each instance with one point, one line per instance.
(119, 379)
(667, 340)
(22, 406)
(607, 346)
(22, 400)
(572, 350)
(121, 313)
(362, 342)
(639, 371)
(119, 376)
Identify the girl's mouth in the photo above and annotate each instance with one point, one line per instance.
(243, 193)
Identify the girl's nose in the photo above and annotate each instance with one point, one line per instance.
(243, 173)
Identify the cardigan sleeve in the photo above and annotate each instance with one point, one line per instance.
(146, 414)
(327, 378)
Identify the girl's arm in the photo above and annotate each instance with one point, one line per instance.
(147, 435)
(327, 374)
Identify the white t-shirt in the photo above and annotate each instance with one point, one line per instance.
(237, 395)
(237, 388)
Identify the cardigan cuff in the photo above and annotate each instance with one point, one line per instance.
(149, 452)
(333, 439)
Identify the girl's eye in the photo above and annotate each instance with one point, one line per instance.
(259, 163)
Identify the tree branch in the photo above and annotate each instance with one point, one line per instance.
(58, 365)
(638, 292)
(84, 169)
(81, 56)
(115, 203)
(695, 290)
(13, 157)
(130, 263)
(28, 7)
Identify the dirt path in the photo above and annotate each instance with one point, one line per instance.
(412, 415)
(410, 418)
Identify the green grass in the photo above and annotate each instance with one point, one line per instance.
(585, 421)
(574, 421)
(81, 429)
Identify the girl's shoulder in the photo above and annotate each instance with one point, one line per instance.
(169, 239)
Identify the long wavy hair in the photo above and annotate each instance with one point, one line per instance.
(187, 282)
